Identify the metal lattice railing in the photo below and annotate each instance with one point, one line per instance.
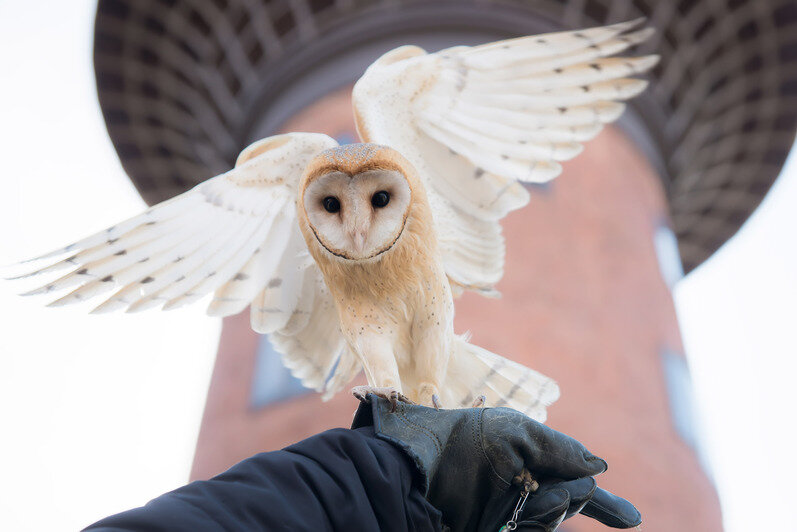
(181, 82)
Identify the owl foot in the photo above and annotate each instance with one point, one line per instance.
(389, 393)
(480, 402)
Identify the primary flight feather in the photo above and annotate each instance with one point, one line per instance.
(348, 256)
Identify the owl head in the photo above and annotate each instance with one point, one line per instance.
(355, 200)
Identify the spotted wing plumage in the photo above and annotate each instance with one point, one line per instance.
(235, 236)
(479, 121)
(473, 371)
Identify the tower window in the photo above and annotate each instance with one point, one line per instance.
(271, 381)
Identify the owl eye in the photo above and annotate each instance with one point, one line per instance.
(380, 199)
(331, 204)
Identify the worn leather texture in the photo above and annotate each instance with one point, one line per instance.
(467, 459)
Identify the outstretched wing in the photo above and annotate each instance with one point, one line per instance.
(478, 121)
(236, 236)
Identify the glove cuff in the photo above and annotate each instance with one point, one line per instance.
(419, 431)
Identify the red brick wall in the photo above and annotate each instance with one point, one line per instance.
(583, 302)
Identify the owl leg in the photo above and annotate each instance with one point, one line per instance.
(381, 370)
(431, 361)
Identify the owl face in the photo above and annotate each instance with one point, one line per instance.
(358, 217)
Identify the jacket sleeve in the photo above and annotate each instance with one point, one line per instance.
(338, 480)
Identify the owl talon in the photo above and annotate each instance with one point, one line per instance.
(388, 393)
(436, 402)
(480, 402)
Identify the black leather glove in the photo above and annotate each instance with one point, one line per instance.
(556, 500)
(469, 460)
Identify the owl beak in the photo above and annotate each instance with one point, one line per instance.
(358, 240)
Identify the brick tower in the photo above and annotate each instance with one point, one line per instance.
(590, 262)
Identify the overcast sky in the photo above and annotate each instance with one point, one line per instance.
(101, 413)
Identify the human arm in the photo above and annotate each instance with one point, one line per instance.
(397, 471)
(337, 480)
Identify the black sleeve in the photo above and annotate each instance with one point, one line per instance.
(338, 480)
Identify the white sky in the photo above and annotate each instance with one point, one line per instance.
(98, 413)
(738, 316)
(101, 413)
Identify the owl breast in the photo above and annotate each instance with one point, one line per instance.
(409, 316)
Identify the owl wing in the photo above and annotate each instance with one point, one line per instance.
(235, 235)
(478, 121)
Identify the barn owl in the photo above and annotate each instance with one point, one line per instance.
(350, 256)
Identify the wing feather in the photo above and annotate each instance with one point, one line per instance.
(582, 55)
(232, 236)
(159, 213)
(478, 121)
(154, 270)
(235, 290)
(273, 307)
(533, 48)
(315, 346)
(235, 235)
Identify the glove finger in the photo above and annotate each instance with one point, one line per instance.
(545, 511)
(551, 453)
(579, 491)
(612, 510)
(554, 502)
(539, 526)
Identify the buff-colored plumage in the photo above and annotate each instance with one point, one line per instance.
(396, 313)
(368, 284)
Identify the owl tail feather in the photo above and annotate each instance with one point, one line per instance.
(473, 371)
